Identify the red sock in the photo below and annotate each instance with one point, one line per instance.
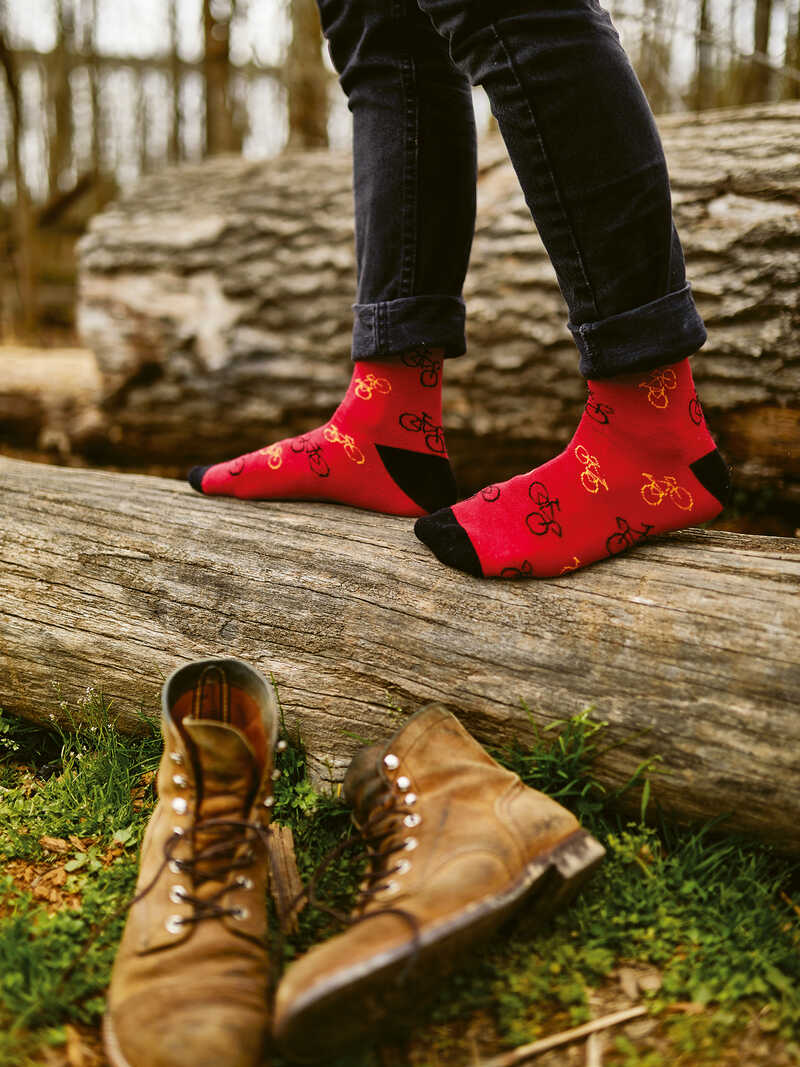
(641, 463)
(382, 449)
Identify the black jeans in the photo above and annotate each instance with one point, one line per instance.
(582, 140)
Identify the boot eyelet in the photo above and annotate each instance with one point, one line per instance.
(412, 820)
(276, 775)
(178, 831)
(174, 867)
(403, 782)
(411, 844)
(281, 746)
(173, 924)
(180, 805)
(391, 762)
(180, 781)
(403, 867)
(409, 799)
(269, 802)
(390, 887)
(243, 882)
(176, 894)
(240, 914)
(176, 757)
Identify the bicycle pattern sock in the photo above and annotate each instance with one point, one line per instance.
(382, 449)
(641, 463)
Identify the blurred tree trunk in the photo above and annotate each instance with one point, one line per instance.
(702, 90)
(174, 140)
(306, 79)
(654, 59)
(23, 214)
(760, 76)
(791, 86)
(60, 97)
(221, 134)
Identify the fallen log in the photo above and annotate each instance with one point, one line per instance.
(687, 647)
(216, 297)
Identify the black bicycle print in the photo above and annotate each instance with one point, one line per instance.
(695, 411)
(597, 411)
(316, 460)
(491, 493)
(543, 520)
(626, 536)
(429, 368)
(525, 570)
(434, 435)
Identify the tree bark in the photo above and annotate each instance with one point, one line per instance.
(687, 647)
(217, 300)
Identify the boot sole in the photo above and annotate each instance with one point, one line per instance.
(111, 1045)
(338, 1012)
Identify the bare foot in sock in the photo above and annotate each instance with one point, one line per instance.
(382, 449)
(641, 463)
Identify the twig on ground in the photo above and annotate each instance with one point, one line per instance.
(525, 1052)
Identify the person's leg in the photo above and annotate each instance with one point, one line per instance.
(414, 168)
(588, 156)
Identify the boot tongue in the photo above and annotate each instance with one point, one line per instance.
(227, 780)
(364, 784)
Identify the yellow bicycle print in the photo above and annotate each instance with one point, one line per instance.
(657, 385)
(367, 387)
(351, 450)
(590, 475)
(655, 491)
(274, 456)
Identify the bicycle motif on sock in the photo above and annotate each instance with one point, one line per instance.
(274, 456)
(597, 411)
(590, 475)
(658, 384)
(491, 493)
(543, 519)
(434, 435)
(236, 466)
(367, 387)
(655, 491)
(626, 537)
(695, 411)
(570, 566)
(351, 450)
(316, 460)
(525, 570)
(429, 368)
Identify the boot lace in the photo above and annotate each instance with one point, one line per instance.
(375, 836)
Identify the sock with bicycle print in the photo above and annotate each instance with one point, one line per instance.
(382, 449)
(641, 463)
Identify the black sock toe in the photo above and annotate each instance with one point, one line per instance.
(196, 475)
(448, 540)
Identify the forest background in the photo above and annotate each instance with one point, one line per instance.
(94, 93)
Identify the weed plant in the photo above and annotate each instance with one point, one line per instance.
(712, 914)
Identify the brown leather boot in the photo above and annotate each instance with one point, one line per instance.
(190, 981)
(457, 844)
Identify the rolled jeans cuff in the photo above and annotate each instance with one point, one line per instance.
(394, 326)
(663, 331)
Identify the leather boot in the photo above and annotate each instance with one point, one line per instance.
(457, 844)
(190, 981)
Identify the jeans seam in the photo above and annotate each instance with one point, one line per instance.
(578, 255)
(408, 80)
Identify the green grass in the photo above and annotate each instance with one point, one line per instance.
(711, 912)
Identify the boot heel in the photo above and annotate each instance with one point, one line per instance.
(571, 864)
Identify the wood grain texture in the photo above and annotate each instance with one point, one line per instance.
(688, 647)
(217, 299)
